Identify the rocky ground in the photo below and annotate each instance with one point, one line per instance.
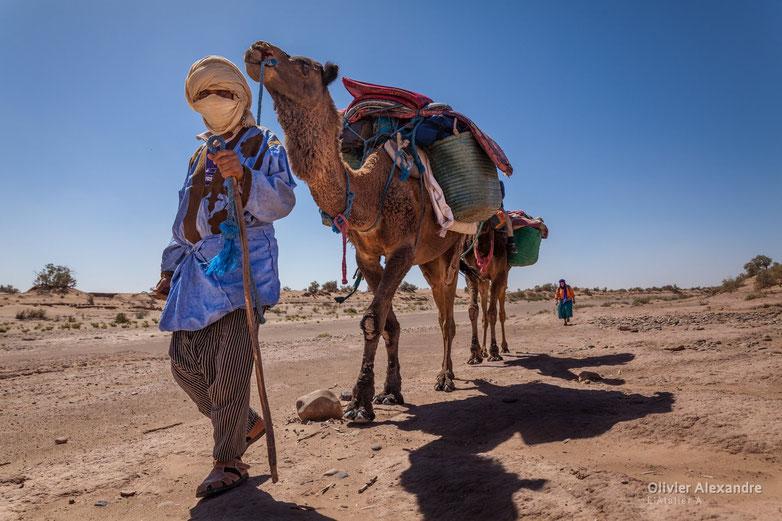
(629, 414)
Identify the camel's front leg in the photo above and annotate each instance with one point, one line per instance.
(475, 345)
(484, 290)
(373, 323)
(444, 293)
(496, 284)
(501, 296)
(494, 351)
(392, 390)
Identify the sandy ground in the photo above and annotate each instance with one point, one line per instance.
(691, 394)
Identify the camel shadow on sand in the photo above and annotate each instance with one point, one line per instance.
(451, 478)
(561, 367)
(249, 503)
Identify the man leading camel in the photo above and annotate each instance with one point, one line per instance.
(211, 350)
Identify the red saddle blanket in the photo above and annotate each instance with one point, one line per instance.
(379, 100)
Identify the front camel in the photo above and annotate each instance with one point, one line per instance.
(400, 226)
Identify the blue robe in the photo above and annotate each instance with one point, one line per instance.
(196, 299)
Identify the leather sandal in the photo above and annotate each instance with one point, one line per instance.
(225, 475)
(257, 431)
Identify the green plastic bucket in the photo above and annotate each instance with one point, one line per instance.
(527, 242)
(467, 176)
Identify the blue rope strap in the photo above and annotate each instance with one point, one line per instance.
(230, 256)
(271, 62)
(340, 221)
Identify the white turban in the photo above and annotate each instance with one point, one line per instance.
(220, 115)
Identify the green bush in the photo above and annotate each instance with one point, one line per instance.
(756, 265)
(764, 279)
(730, 285)
(51, 277)
(121, 318)
(407, 287)
(7, 288)
(32, 314)
(329, 286)
(640, 301)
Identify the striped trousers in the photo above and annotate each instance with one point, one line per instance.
(213, 366)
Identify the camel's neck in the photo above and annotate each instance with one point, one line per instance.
(312, 141)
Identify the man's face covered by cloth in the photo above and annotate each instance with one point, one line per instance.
(216, 89)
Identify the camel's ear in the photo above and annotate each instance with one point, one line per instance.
(330, 72)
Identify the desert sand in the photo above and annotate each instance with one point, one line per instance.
(688, 392)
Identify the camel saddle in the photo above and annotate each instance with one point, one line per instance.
(373, 101)
(521, 219)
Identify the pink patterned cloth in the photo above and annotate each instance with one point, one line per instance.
(520, 219)
(379, 100)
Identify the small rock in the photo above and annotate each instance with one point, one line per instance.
(127, 493)
(71, 501)
(566, 440)
(61, 440)
(346, 396)
(767, 338)
(319, 406)
(376, 446)
(330, 472)
(341, 474)
(674, 348)
(101, 503)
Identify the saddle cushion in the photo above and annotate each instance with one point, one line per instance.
(361, 91)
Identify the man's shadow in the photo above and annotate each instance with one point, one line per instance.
(452, 479)
(561, 367)
(247, 502)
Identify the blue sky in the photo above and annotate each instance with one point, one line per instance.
(647, 134)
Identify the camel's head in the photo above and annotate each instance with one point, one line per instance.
(297, 78)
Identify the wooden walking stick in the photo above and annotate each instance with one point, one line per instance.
(252, 323)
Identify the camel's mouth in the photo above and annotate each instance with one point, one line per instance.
(260, 51)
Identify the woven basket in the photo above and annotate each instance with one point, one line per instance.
(467, 176)
(527, 242)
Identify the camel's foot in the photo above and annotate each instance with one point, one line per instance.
(357, 413)
(475, 358)
(389, 398)
(505, 348)
(494, 353)
(445, 382)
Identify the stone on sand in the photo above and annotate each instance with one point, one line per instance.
(319, 405)
(60, 440)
